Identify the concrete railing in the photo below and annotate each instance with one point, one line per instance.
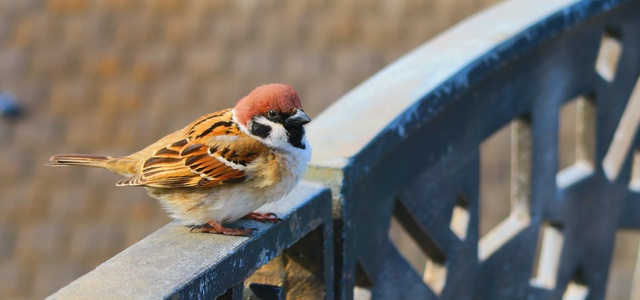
(172, 263)
(407, 142)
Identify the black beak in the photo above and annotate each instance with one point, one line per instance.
(297, 119)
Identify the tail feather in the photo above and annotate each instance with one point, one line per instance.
(95, 161)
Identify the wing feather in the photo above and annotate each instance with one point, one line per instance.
(215, 152)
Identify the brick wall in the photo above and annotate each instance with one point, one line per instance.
(111, 76)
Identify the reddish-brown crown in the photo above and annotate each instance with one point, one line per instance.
(279, 97)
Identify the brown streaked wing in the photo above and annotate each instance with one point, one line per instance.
(196, 165)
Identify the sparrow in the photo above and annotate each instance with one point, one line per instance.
(224, 165)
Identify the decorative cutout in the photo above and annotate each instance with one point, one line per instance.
(576, 141)
(281, 274)
(435, 275)
(362, 289)
(407, 246)
(460, 218)
(262, 291)
(495, 168)
(634, 184)
(360, 293)
(519, 187)
(625, 132)
(418, 248)
(547, 261)
(609, 56)
(576, 289)
(624, 270)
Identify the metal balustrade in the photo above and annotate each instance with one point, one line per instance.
(405, 146)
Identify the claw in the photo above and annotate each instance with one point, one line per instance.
(215, 227)
(194, 227)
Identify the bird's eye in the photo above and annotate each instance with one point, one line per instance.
(272, 114)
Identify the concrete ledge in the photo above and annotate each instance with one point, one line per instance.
(172, 262)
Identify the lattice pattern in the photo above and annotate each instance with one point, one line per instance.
(557, 241)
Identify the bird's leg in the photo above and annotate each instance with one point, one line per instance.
(268, 217)
(215, 227)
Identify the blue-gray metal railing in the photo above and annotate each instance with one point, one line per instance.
(406, 143)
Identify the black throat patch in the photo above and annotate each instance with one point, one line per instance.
(296, 134)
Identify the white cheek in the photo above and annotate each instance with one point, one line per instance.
(278, 134)
(278, 137)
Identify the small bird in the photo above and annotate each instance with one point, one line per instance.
(224, 165)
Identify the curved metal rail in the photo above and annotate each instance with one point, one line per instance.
(406, 143)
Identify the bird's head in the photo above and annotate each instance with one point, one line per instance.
(273, 114)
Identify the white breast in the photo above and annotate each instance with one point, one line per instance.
(233, 202)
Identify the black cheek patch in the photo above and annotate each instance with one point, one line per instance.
(260, 130)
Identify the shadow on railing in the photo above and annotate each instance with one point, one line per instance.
(406, 144)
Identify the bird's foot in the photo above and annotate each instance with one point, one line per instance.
(216, 227)
(268, 217)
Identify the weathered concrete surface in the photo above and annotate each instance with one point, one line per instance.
(174, 262)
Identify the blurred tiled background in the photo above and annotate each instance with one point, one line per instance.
(111, 76)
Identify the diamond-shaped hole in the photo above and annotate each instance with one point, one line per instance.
(576, 141)
(305, 255)
(504, 185)
(495, 168)
(460, 218)
(261, 291)
(271, 273)
(435, 275)
(407, 246)
(547, 259)
(609, 55)
(418, 248)
(634, 184)
(624, 272)
(362, 289)
(576, 289)
(622, 138)
(361, 293)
